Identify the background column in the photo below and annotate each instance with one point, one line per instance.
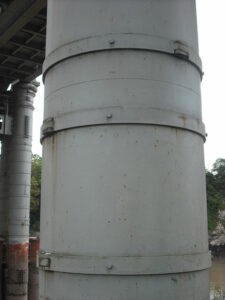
(19, 191)
(4, 164)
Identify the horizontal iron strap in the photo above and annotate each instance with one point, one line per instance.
(162, 264)
(122, 115)
(122, 41)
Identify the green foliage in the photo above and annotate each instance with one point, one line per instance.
(215, 185)
(35, 194)
(219, 175)
(219, 294)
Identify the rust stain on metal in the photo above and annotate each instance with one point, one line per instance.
(34, 248)
(17, 271)
(33, 282)
(18, 253)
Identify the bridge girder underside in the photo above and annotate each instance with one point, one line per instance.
(22, 40)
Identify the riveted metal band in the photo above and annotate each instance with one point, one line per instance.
(119, 42)
(164, 264)
(122, 115)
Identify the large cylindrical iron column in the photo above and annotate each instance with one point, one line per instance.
(4, 167)
(19, 192)
(123, 211)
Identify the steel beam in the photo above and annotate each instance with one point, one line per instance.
(18, 14)
(11, 77)
(24, 59)
(29, 47)
(34, 33)
(34, 74)
(15, 70)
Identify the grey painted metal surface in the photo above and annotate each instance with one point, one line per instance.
(4, 187)
(123, 185)
(19, 192)
(4, 165)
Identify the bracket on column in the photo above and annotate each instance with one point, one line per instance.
(123, 41)
(121, 115)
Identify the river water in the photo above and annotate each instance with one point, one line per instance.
(217, 279)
